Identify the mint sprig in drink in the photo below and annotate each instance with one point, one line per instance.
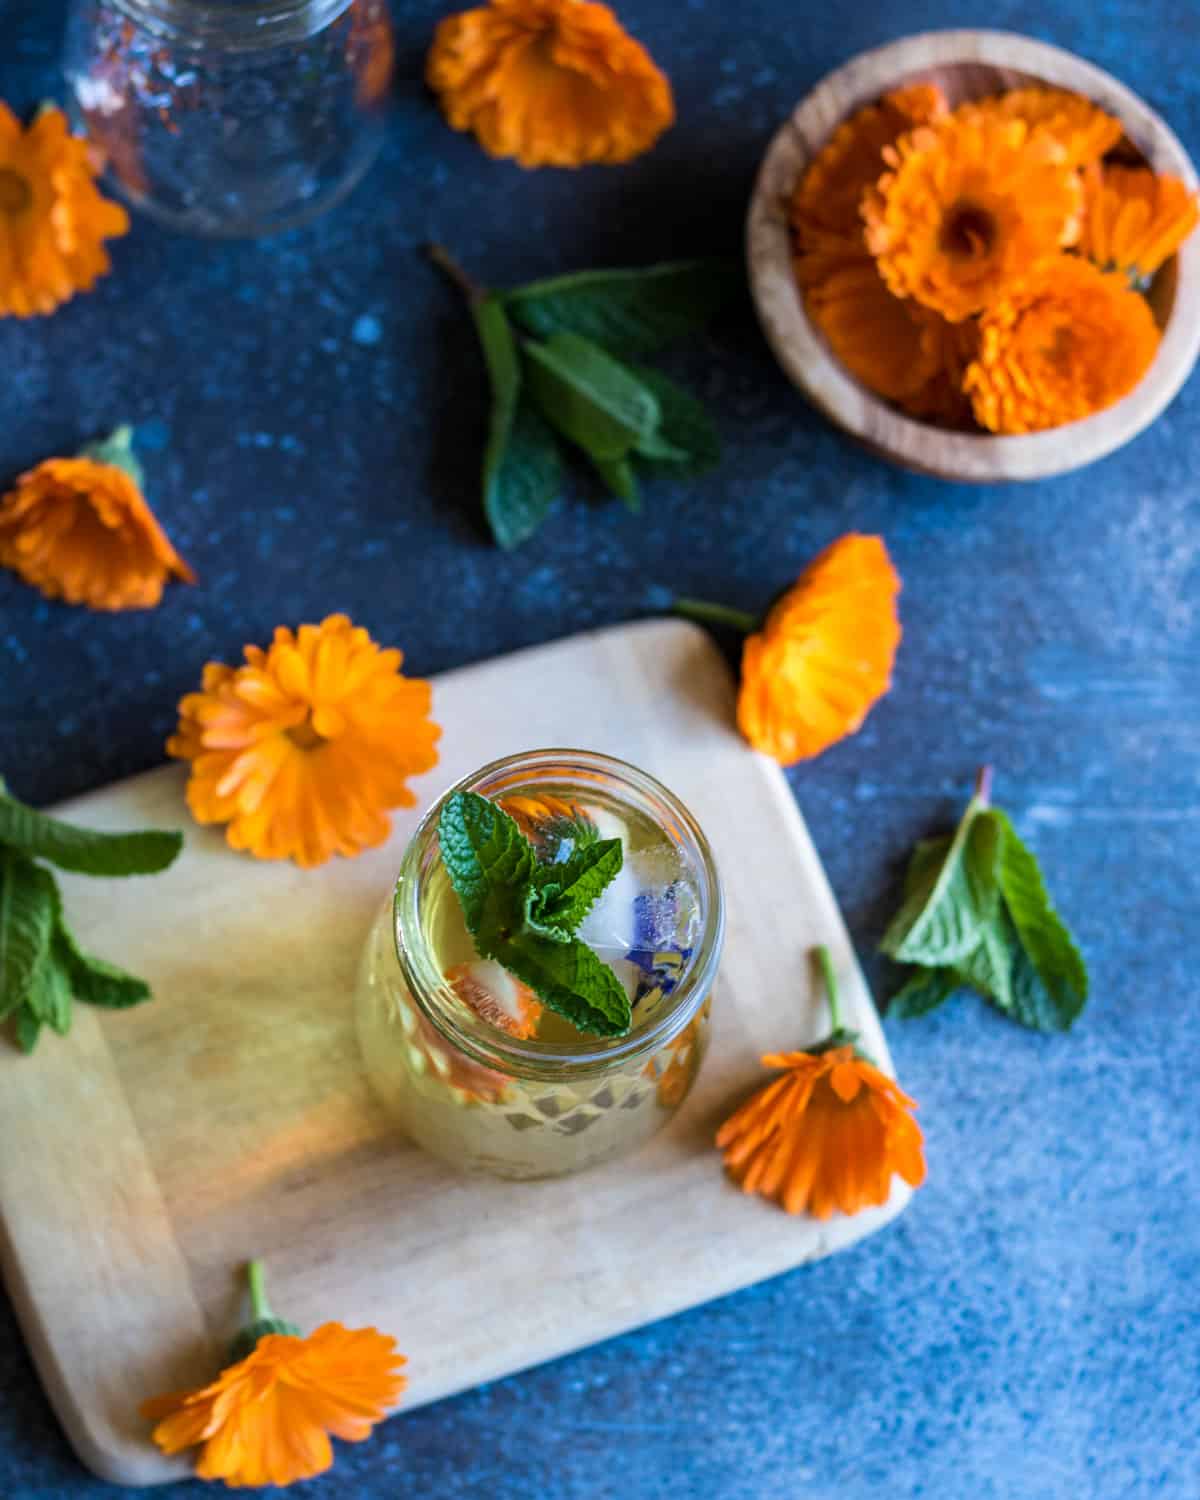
(537, 998)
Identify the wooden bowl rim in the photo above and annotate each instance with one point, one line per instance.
(978, 457)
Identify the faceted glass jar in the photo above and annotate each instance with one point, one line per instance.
(231, 117)
(556, 1101)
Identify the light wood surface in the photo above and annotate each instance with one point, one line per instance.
(150, 1154)
(967, 64)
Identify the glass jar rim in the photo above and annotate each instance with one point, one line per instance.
(553, 1060)
(267, 23)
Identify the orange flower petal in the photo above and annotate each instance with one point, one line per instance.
(82, 531)
(1070, 342)
(302, 751)
(1082, 129)
(837, 1131)
(52, 218)
(549, 82)
(825, 653)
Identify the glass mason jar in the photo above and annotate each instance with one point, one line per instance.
(231, 117)
(557, 1101)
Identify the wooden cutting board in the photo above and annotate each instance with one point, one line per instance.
(146, 1157)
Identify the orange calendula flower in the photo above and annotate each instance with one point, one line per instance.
(554, 83)
(1070, 342)
(1081, 128)
(824, 654)
(267, 1419)
(79, 529)
(53, 222)
(829, 1133)
(302, 750)
(971, 206)
(826, 200)
(895, 347)
(1135, 220)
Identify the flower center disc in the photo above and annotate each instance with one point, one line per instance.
(15, 193)
(305, 737)
(968, 232)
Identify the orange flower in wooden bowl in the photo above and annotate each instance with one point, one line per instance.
(969, 207)
(556, 83)
(1134, 220)
(302, 751)
(964, 208)
(1071, 341)
(80, 530)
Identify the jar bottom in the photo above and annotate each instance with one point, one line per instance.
(519, 1129)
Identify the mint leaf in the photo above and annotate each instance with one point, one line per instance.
(565, 893)
(83, 850)
(630, 312)
(522, 467)
(988, 966)
(570, 979)
(522, 914)
(1047, 943)
(94, 981)
(28, 1028)
(949, 900)
(29, 906)
(491, 864)
(1037, 1005)
(621, 478)
(923, 991)
(687, 440)
(588, 396)
(50, 999)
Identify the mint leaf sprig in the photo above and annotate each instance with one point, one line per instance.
(558, 358)
(976, 915)
(42, 967)
(525, 915)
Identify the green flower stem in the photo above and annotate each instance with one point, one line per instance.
(831, 989)
(117, 449)
(983, 785)
(256, 1275)
(716, 614)
(263, 1321)
(446, 263)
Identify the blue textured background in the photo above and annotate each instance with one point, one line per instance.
(310, 413)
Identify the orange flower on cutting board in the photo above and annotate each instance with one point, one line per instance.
(53, 221)
(1070, 342)
(549, 82)
(830, 1132)
(268, 1417)
(80, 530)
(302, 750)
(822, 657)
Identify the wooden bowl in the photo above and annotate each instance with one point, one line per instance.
(967, 64)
